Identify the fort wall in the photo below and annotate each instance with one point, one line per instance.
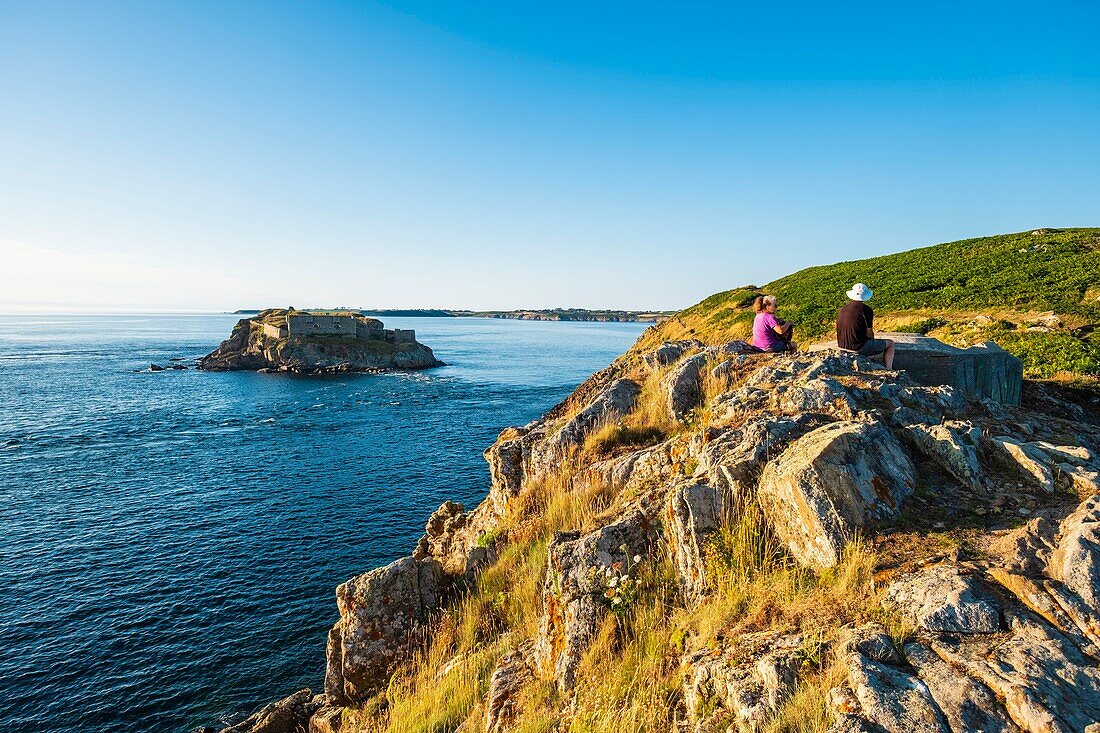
(272, 331)
(372, 329)
(304, 324)
(310, 324)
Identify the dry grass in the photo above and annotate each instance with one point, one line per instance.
(445, 682)
(630, 678)
(562, 501)
(651, 410)
(432, 695)
(713, 385)
(615, 438)
(631, 675)
(756, 585)
(807, 710)
(651, 420)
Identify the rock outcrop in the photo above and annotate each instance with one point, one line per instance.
(982, 519)
(832, 483)
(694, 511)
(942, 598)
(954, 446)
(721, 689)
(382, 614)
(610, 405)
(578, 572)
(289, 715)
(513, 672)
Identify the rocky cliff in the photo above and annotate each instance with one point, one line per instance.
(704, 540)
(251, 347)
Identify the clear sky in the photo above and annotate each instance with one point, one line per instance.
(210, 156)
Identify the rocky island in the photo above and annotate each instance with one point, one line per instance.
(701, 539)
(317, 342)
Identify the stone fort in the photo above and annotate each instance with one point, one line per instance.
(300, 324)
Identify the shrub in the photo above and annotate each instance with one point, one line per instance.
(928, 324)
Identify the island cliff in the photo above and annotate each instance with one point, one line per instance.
(314, 342)
(701, 539)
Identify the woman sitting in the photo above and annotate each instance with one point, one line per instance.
(770, 333)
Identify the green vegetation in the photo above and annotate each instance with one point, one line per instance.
(992, 288)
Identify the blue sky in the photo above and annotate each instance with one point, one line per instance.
(213, 156)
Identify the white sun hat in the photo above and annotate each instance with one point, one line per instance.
(860, 291)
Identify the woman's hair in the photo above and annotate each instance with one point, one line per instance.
(761, 302)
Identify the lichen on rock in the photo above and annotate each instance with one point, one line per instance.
(832, 483)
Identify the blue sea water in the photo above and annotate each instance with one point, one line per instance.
(172, 540)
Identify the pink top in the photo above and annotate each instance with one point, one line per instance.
(763, 331)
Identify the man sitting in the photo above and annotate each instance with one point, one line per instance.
(855, 327)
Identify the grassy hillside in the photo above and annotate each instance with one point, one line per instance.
(992, 288)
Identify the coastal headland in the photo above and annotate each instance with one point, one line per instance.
(701, 538)
(535, 314)
(317, 342)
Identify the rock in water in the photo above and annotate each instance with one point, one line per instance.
(288, 715)
(312, 343)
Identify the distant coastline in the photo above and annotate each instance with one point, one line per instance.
(545, 314)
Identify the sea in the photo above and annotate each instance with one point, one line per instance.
(171, 541)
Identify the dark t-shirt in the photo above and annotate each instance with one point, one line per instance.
(852, 322)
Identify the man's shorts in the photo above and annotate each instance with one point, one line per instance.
(873, 347)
